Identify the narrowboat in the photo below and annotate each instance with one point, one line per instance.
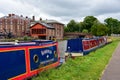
(82, 46)
(23, 60)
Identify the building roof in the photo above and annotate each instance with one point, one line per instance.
(52, 21)
(11, 16)
(44, 24)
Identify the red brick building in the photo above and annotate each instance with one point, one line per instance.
(54, 29)
(59, 28)
(17, 25)
(42, 31)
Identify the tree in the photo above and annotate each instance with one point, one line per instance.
(72, 26)
(81, 26)
(113, 25)
(99, 29)
(84, 31)
(77, 27)
(89, 21)
(66, 29)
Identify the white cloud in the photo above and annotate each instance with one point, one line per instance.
(1, 15)
(62, 10)
(104, 16)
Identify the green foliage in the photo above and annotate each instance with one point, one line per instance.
(71, 26)
(78, 29)
(85, 31)
(81, 26)
(66, 29)
(25, 38)
(113, 25)
(89, 67)
(89, 21)
(99, 29)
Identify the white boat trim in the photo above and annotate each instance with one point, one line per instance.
(74, 54)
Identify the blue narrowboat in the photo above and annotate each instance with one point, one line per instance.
(26, 59)
(82, 46)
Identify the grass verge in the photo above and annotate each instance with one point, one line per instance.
(88, 67)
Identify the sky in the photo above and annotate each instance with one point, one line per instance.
(62, 10)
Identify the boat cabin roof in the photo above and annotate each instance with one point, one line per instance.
(31, 43)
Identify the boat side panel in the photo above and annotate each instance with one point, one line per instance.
(31, 71)
(41, 57)
(12, 63)
(74, 45)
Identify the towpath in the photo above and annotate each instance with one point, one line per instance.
(112, 71)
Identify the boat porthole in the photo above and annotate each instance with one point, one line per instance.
(36, 58)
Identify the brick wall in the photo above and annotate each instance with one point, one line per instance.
(59, 30)
(40, 31)
(17, 25)
(50, 33)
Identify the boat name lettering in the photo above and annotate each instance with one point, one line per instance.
(46, 52)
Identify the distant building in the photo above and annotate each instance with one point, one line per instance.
(17, 25)
(42, 30)
(54, 29)
(59, 28)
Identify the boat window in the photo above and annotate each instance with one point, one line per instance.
(36, 58)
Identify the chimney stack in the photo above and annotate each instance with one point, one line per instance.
(9, 15)
(40, 19)
(13, 14)
(21, 16)
(33, 18)
(26, 16)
